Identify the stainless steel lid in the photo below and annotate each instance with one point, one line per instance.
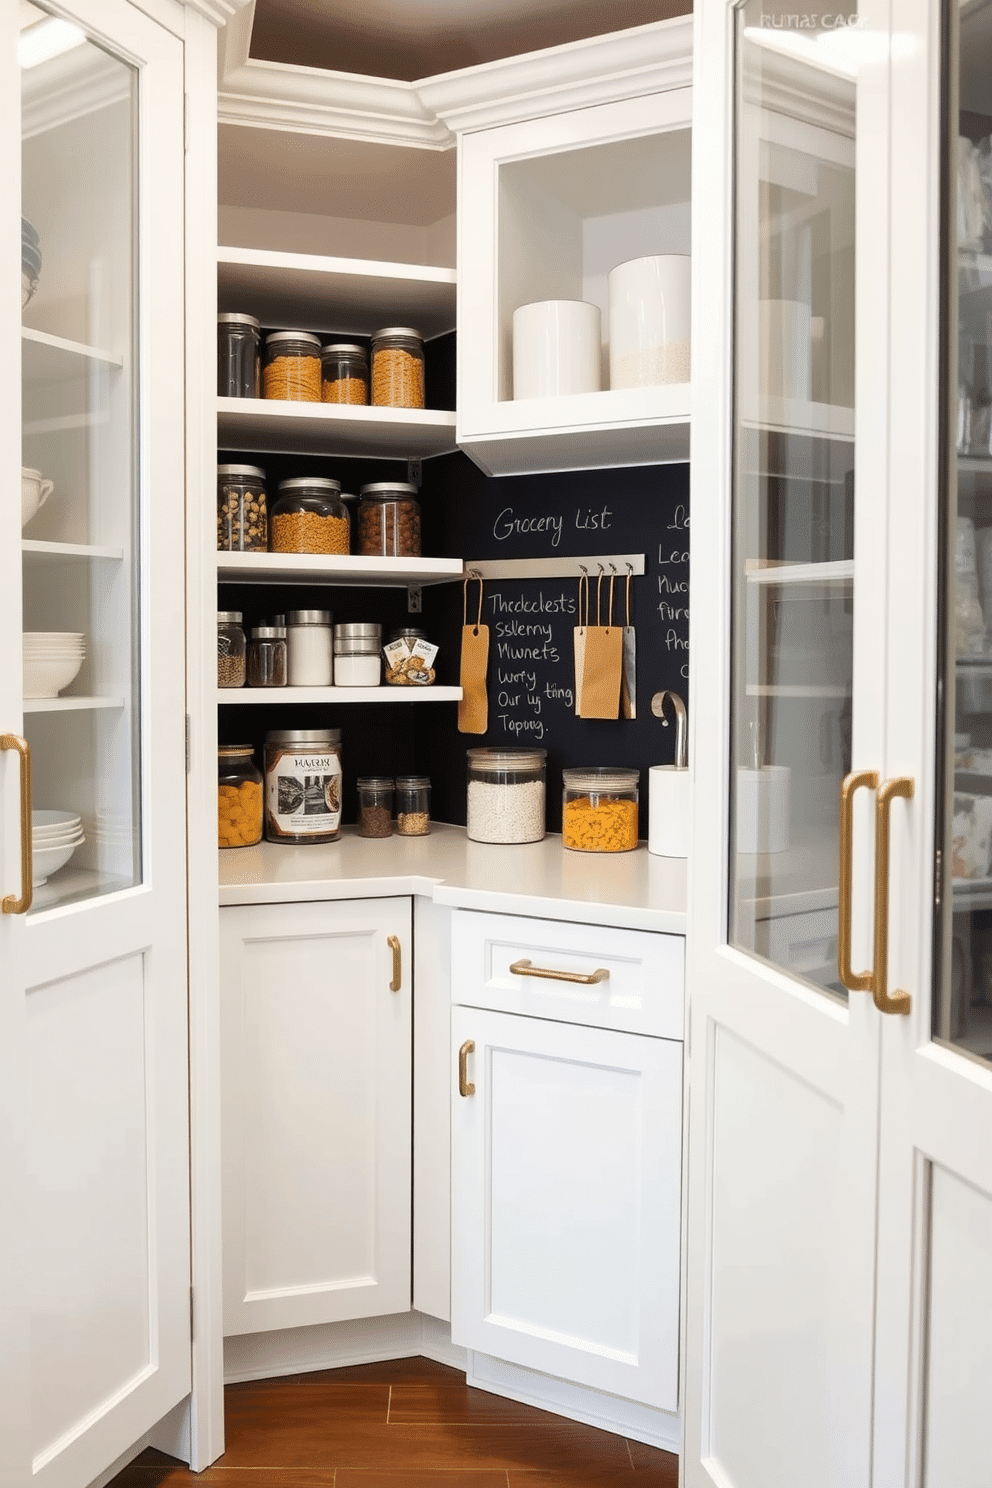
(358, 631)
(229, 749)
(375, 782)
(309, 617)
(413, 782)
(303, 736)
(397, 331)
(229, 318)
(228, 617)
(268, 632)
(387, 488)
(252, 471)
(310, 483)
(349, 347)
(307, 337)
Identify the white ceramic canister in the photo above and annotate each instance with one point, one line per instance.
(356, 655)
(650, 320)
(35, 491)
(556, 349)
(785, 349)
(309, 657)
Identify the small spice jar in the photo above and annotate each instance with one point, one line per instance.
(231, 649)
(308, 516)
(413, 805)
(303, 785)
(356, 655)
(309, 655)
(267, 657)
(375, 806)
(239, 797)
(242, 520)
(344, 373)
(397, 368)
(506, 795)
(238, 367)
(599, 809)
(292, 366)
(389, 520)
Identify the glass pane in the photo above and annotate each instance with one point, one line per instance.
(79, 452)
(962, 1008)
(793, 482)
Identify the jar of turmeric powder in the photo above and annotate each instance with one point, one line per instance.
(239, 797)
(599, 809)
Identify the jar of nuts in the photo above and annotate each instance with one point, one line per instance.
(242, 524)
(389, 520)
(344, 370)
(309, 517)
(413, 805)
(239, 797)
(292, 366)
(397, 368)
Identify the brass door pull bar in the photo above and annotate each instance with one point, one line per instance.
(855, 981)
(886, 1001)
(465, 1085)
(393, 943)
(11, 903)
(584, 979)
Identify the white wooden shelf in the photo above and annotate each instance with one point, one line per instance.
(312, 568)
(838, 571)
(275, 427)
(350, 296)
(70, 883)
(794, 416)
(47, 359)
(383, 694)
(70, 704)
(36, 551)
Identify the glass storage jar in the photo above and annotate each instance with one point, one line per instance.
(413, 805)
(309, 655)
(356, 655)
(242, 520)
(267, 657)
(389, 520)
(303, 785)
(599, 809)
(506, 795)
(308, 516)
(409, 658)
(375, 806)
(344, 373)
(239, 797)
(397, 368)
(292, 366)
(231, 648)
(238, 366)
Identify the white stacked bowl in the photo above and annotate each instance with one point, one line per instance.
(52, 658)
(55, 835)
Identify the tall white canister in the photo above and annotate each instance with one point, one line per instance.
(649, 320)
(556, 348)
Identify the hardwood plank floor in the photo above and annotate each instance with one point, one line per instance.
(408, 1423)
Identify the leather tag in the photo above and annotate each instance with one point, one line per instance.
(579, 644)
(473, 709)
(601, 672)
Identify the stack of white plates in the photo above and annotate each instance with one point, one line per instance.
(51, 660)
(55, 835)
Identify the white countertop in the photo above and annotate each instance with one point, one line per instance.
(635, 890)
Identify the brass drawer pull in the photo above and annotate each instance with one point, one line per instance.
(11, 904)
(855, 981)
(584, 979)
(465, 1085)
(393, 943)
(886, 1001)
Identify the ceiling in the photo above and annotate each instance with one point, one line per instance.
(410, 39)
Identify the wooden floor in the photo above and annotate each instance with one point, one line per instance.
(409, 1423)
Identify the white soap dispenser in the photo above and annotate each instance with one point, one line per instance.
(668, 787)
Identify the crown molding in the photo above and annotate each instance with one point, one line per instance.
(220, 12)
(69, 87)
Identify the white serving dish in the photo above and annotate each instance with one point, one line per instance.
(46, 678)
(49, 860)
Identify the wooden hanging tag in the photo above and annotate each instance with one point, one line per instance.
(628, 686)
(602, 665)
(579, 638)
(473, 707)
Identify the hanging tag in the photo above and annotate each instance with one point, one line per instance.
(602, 664)
(628, 686)
(579, 639)
(473, 708)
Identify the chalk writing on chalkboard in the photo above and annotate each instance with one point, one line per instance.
(531, 639)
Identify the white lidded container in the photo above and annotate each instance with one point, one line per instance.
(506, 795)
(309, 656)
(356, 655)
(556, 349)
(649, 320)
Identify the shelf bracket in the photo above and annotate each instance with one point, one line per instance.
(414, 472)
(414, 599)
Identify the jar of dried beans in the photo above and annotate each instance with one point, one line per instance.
(239, 797)
(309, 517)
(231, 649)
(344, 370)
(398, 368)
(292, 366)
(599, 809)
(375, 806)
(242, 523)
(413, 805)
(389, 520)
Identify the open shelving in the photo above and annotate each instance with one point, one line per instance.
(383, 694)
(275, 427)
(344, 569)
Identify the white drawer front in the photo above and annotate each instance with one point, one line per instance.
(642, 991)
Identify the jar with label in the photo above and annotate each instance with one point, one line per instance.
(239, 797)
(344, 371)
(267, 657)
(599, 809)
(356, 655)
(413, 805)
(242, 521)
(375, 806)
(303, 785)
(397, 368)
(409, 658)
(309, 655)
(238, 366)
(506, 795)
(308, 516)
(231, 649)
(389, 520)
(292, 366)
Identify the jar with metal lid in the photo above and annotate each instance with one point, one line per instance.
(303, 785)
(389, 520)
(308, 516)
(309, 654)
(409, 658)
(356, 655)
(242, 519)
(599, 809)
(375, 806)
(397, 368)
(239, 797)
(506, 795)
(267, 657)
(413, 805)
(238, 366)
(231, 649)
(344, 372)
(292, 366)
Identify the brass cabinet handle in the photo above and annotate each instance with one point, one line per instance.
(11, 904)
(465, 1085)
(584, 979)
(856, 981)
(393, 943)
(886, 1001)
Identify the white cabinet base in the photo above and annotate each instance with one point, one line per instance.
(404, 1335)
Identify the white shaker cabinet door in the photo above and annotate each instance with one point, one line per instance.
(316, 1076)
(565, 1201)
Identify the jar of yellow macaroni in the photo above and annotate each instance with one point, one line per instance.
(599, 809)
(239, 797)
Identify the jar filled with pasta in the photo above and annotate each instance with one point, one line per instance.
(344, 373)
(308, 516)
(599, 809)
(239, 797)
(292, 366)
(398, 368)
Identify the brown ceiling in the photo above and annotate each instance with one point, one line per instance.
(409, 39)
